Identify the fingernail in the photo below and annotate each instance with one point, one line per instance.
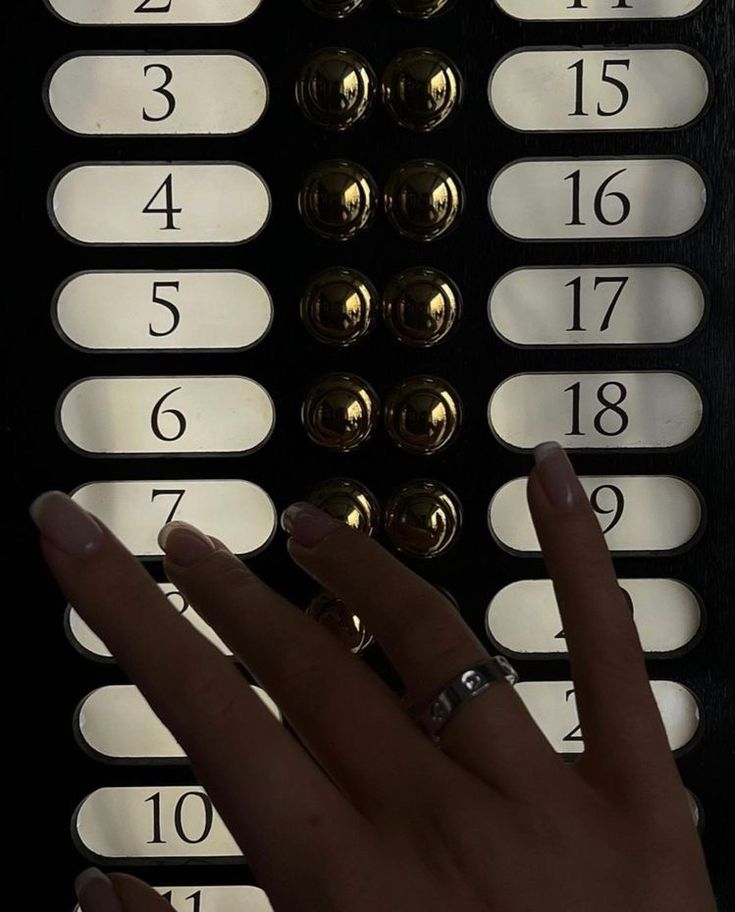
(557, 477)
(308, 525)
(65, 524)
(184, 545)
(95, 892)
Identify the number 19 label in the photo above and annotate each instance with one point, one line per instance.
(597, 198)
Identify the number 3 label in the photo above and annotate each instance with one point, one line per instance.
(597, 199)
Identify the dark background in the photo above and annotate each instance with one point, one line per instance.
(49, 774)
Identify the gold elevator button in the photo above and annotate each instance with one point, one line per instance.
(420, 9)
(421, 89)
(349, 501)
(340, 412)
(334, 615)
(423, 199)
(421, 305)
(338, 199)
(423, 414)
(423, 518)
(339, 306)
(336, 88)
(335, 9)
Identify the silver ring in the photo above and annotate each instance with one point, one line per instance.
(434, 714)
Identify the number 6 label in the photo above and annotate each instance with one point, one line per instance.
(597, 198)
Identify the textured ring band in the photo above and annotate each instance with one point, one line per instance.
(434, 714)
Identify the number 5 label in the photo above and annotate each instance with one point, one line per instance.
(597, 198)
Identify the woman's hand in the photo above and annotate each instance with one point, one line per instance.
(368, 814)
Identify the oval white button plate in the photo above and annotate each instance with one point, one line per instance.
(161, 416)
(596, 305)
(638, 513)
(597, 198)
(552, 706)
(87, 641)
(641, 410)
(149, 823)
(576, 89)
(598, 9)
(163, 311)
(214, 899)
(180, 94)
(151, 203)
(523, 619)
(116, 723)
(237, 512)
(154, 12)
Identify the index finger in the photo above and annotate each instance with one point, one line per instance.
(260, 778)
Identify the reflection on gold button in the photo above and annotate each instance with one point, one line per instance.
(423, 414)
(338, 199)
(423, 199)
(336, 88)
(332, 613)
(339, 306)
(420, 9)
(421, 88)
(349, 501)
(421, 305)
(335, 9)
(340, 412)
(423, 518)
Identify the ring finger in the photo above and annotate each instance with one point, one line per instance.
(429, 644)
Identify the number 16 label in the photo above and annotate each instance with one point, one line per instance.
(597, 198)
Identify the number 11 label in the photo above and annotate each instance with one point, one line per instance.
(597, 198)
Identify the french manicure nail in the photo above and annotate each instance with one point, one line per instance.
(95, 892)
(184, 545)
(308, 525)
(66, 525)
(557, 477)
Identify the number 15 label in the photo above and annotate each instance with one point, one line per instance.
(597, 198)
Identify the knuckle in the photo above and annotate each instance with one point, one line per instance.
(204, 697)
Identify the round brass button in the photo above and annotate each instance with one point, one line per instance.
(423, 518)
(421, 305)
(423, 199)
(349, 501)
(335, 9)
(339, 306)
(338, 199)
(421, 89)
(336, 88)
(340, 412)
(332, 613)
(420, 9)
(423, 415)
